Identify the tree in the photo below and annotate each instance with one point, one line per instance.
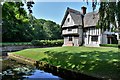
(109, 14)
(29, 5)
(39, 33)
(20, 26)
(15, 25)
(52, 30)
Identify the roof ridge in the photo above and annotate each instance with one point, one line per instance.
(93, 12)
(73, 10)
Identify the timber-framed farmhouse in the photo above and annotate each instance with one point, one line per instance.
(79, 28)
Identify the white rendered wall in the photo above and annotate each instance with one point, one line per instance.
(70, 23)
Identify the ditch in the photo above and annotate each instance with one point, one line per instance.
(12, 70)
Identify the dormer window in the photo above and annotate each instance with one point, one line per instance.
(68, 20)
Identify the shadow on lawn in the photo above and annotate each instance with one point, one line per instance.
(98, 64)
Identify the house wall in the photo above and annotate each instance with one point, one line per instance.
(70, 23)
(103, 39)
(73, 31)
(80, 30)
(75, 41)
(89, 32)
(87, 36)
(65, 40)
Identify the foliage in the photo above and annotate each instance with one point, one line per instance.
(18, 26)
(102, 61)
(15, 43)
(109, 14)
(109, 45)
(15, 22)
(46, 29)
(29, 5)
(47, 42)
(52, 30)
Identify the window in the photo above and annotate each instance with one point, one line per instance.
(70, 38)
(94, 38)
(68, 20)
(69, 29)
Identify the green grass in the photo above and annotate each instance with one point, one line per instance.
(99, 61)
(109, 45)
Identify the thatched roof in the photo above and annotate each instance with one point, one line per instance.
(91, 19)
(76, 16)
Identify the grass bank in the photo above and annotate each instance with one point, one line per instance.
(99, 62)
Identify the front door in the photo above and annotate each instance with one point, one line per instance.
(70, 41)
(109, 40)
(112, 39)
(70, 38)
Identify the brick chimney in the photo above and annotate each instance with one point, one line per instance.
(83, 10)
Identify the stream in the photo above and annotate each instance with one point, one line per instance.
(11, 70)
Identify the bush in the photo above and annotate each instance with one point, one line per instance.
(15, 44)
(47, 42)
(109, 45)
(119, 46)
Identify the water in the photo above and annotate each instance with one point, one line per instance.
(25, 72)
(39, 74)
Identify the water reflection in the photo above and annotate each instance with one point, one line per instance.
(39, 74)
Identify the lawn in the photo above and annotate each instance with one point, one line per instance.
(97, 61)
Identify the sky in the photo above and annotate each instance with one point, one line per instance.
(55, 11)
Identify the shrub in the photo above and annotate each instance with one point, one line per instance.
(47, 42)
(109, 45)
(119, 46)
(15, 44)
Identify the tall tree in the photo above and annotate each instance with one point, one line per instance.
(39, 33)
(109, 14)
(20, 26)
(52, 30)
(15, 22)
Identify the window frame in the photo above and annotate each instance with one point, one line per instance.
(70, 38)
(68, 20)
(69, 29)
(94, 38)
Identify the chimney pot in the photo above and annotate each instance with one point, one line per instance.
(83, 10)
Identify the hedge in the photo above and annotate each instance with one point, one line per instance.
(15, 43)
(47, 42)
(109, 45)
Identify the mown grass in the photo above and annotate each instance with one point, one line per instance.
(99, 61)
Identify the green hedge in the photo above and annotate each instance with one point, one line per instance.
(15, 43)
(47, 42)
(109, 45)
